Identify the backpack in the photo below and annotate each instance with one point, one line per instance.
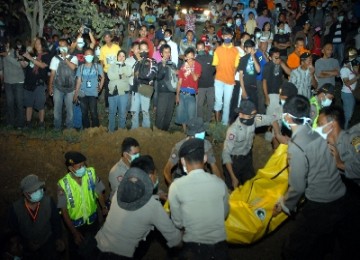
(171, 79)
(65, 77)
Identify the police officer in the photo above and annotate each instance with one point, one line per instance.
(78, 193)
(237, 153)
(323, 98)
(195, 129)
(313, 173)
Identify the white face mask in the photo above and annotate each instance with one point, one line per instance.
(282, 102)
(320, 130)
(326, 102)
(341, 18)
(167, 38)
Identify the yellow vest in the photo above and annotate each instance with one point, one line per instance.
(314, 101)
(81, 199)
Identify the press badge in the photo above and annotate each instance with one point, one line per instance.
(88, 84)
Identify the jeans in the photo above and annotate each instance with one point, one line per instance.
(205, 110)
(164, 110)
(138, 102)
(15, 106)
(59, 99)
(186, 109)
(89, 103)
(117, 104)
(339, 52)
(348, 100)
(223, 94)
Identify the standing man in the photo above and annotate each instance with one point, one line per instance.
(173, 45)
(130, 150)
(313, 173)
(338, 33)
(237, 153)
(303, 77)
(187, 88)
(62, 84)
(204, 238)
(249, 67)
(143, 33)
(78, 192)
(206, 84)
(263, 57)
(145, 71)
(226, 60)
(327, 68)
(108, 56)
(293, 60)
(273, 79)
(164, 98)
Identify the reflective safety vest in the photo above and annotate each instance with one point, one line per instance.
(81, 199)
(314, 101)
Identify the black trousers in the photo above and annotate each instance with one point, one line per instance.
(317, 227)
(199, 251)
(106, 89)
(234, 103)
(164, 110)
(243, 169)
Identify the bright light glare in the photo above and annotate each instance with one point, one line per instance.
(184, 11)
(207, 12)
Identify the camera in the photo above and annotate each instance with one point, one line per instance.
(86, 30)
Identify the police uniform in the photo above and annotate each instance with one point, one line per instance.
(80, 201)
(238, 148)
(313, 172)
(174, 157)
(348, 146)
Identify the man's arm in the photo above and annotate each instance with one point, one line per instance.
(285, 68)
(242, 85)
(175, 205)
(51, 82)
(167, 172)
(265, 89)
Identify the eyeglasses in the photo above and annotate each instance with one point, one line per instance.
(276, 58)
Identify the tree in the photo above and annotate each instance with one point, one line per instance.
(66, 14)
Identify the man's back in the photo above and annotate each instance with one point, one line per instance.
(199, 203)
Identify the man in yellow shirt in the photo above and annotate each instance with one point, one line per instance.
(108, 56)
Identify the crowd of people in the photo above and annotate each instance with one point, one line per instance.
(275, 64)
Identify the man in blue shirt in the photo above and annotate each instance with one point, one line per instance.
(263, 58)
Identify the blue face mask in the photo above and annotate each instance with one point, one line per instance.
(89, 58)
(227, 40)
(37, 195)
(80, 172)
(200, 135)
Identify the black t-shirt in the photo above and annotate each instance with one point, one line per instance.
(273, 75)
(206, 79)
(79, 55)
(248, 67)
(282, 38)
(34, 74)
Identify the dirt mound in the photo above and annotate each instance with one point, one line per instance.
(23, 154)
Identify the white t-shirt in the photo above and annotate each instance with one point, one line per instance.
(346, 72)
(54, 64)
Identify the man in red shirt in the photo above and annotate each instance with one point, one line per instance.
(187, 88)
